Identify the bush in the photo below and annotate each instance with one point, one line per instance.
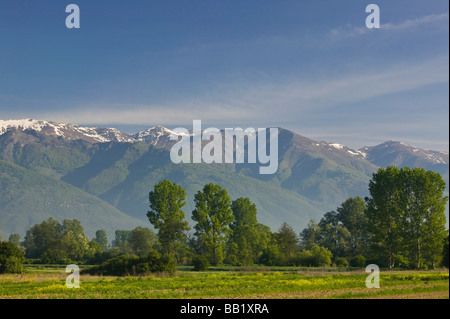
(269, 257)
(11, 258)
(100, 257)
(132, 265)
(119, 266)
(341, 262)
(358, 261)
(158, 263)
(316, 257)
(232, 260)
(14, 265)
(402, 262)
(305, 258)
(200, 263)
(322, 256)
(55, 256)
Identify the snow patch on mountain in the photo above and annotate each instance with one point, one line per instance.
(67, 131)
(25, 124)
(339, 147)
(160, 136)
(394, 148)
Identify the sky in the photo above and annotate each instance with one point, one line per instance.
(309, 66)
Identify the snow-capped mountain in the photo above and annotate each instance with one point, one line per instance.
(157, 135)
(401, 154)
(313, 176)
(336, 146)
(388, 153)
(67, 131)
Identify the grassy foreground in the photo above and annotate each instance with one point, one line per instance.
(50, 284)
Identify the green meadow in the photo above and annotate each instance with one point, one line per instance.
(256, 283)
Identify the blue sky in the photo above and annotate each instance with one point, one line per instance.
(309, 66)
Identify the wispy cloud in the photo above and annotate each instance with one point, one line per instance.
(276, 102)
(350, 31)
(132, 114)
(408, 24)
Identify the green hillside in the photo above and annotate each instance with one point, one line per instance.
(275, 205)
(310, 181)
(318, 171)
(107, 184)
(127, 177)
(27, 198)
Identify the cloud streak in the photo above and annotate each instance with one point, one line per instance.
(350, 31)
(277, 102)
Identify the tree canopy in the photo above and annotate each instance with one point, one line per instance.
(166, 201)
(406, 216)
(213, 215)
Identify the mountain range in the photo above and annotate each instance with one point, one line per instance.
(102, 176)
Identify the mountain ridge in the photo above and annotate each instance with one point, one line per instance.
(42, 197)
(159, 136)
(120, 169)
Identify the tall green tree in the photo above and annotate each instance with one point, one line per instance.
(142, 241)
(310, 235)
(42, 237)
(101, 239)
(245, 234)
(166, 201)
(73, 241)
(384, 215)
(288, 241)
(53, 242)
(265, 239)
(412, 206)
(15, 239)
(406, 215)
(213, 215)
(11, 258)
(72, 225)
(423, 216)
(432, 205)
(121, 240)
(352, 215)
(333, 235)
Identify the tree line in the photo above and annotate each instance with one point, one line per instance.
(401, 224)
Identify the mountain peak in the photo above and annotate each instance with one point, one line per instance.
(23, 124)
(393, 152)
(67, 131)
(157, 135)
(402, 154)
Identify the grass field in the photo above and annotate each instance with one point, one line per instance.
(49, 283)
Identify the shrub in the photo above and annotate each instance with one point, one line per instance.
(101, 256)
(341, 262)
(118, 266)
(14, 265)
(316, 257)
(358, 261)
(402, 262)
(305, 258)
(158, 263)
(232, 260)
(270, 257)
(55, 256)
(200, 263)
(132, 265)
(322, 256)
(11, 258)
